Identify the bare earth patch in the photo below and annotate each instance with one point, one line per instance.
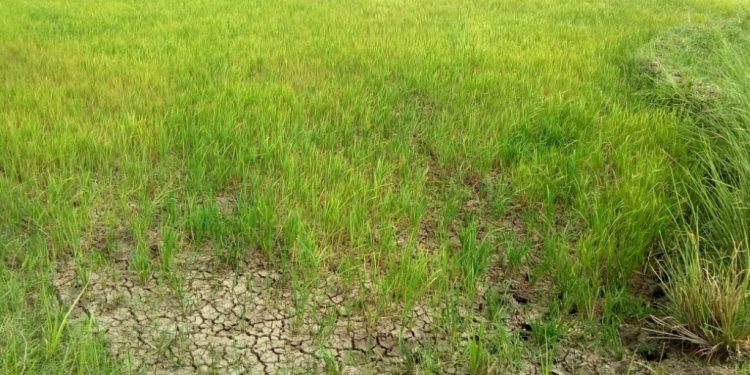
(244, 321)
(236, 322)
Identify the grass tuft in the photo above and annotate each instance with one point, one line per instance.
(702, 73)
(709, 302)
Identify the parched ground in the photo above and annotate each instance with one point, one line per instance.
(238, 322)
(244, 321)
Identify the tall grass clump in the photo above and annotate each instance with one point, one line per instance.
(704, 74)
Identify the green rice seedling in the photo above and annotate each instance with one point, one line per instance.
(168, 250)
(230, 247)
(265, 229)
(427, 360)
(407, 282)
(477, 355)
(89, 351)
(496, 301)
(301, 295)
(141, 256)
(204, 221)
(16, 355)
(499, 196)
(18, 352)
(46, 336)
(515, 250)
(450, 317)
(548, 331)
(508, 347)
(57, 322)
(330, 363)
(547, 359)
(474, 255)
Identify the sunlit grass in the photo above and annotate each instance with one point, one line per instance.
(329, 137)
(708, 277)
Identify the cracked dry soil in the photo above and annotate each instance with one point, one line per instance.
(236, 322)
(220, 321)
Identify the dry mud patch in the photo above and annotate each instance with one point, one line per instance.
(244, 321)
(224, 321)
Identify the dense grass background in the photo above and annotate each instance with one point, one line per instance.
(702, 72)
(330, 137)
